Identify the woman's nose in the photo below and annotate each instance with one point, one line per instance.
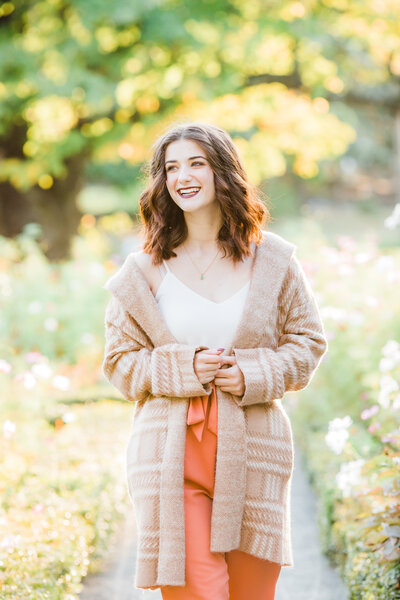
(184, 175)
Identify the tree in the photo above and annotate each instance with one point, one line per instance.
(88, 84)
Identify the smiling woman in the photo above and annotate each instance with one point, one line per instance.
(189, 176)
(209, 325)
(201, 156)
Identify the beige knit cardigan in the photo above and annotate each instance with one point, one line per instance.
(278, 345)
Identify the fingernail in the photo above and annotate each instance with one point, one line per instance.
(220, 348)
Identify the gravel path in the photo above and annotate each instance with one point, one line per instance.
(312, 577)
(115, 582)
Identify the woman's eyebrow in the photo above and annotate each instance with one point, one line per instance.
(190, 158)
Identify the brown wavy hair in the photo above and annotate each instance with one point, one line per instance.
(242, 209)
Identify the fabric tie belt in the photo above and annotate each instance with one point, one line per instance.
(197, 412)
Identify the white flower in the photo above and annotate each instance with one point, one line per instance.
(388, 386)
(5, 366)
(339, 423)
(371, 301)
(345, 270)
(51, 324)
(349, 476)
(386, 364)
(391, 356)
(363, 257)
(34, 307)
(69, 417)
(9, 428)
(390, 347)
(9, 541)
(337, 433)
(42, 370)
(393, 277)
(60, 382)
(392, 350)
(384, 263)
(5, 287)
(396, 402)
(27, 378)
(336, 440)
(393, 220)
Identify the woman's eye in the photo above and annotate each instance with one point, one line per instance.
(193, 164)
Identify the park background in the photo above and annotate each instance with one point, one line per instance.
(310, 93)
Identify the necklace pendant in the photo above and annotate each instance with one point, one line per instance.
(202, 276)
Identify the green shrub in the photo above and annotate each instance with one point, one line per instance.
(347, 422)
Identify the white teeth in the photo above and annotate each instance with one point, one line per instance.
(189, 191)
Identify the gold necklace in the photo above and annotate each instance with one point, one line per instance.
(205, 270)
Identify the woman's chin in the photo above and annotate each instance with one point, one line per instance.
(196, 205)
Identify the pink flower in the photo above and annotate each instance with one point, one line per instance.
(374, 427)
(367, 413)
(5, 366)
(346, 242)
(34, 357)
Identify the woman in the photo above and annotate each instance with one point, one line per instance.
(206, 330)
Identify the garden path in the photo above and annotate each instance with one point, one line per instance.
(312, 577)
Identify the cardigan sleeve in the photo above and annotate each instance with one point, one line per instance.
(166, 370)
(269, 373)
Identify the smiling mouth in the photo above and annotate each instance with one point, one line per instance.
(188, 192)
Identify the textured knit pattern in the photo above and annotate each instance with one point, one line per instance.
(279, 344)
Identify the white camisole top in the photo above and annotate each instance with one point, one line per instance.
(195, 320)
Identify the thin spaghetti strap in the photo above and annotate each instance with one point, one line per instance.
(163, 269)
(166, 266)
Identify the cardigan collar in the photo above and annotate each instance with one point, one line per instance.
(272, 257)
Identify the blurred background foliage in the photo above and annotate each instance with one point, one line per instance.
(308, 90)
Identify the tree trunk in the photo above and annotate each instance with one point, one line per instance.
(55, 210)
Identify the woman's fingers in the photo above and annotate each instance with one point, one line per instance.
(230, 379)
(207, 361)
(228, 360)
(212, 357)
(208, 365)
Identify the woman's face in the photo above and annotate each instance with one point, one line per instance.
(187, 167)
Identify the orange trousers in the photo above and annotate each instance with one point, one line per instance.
(233, 575)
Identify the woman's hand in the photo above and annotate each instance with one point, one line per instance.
(206, 363)
(231, 379)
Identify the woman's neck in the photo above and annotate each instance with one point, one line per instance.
(202, 230)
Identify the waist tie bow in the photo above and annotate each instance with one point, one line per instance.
(197, 413)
